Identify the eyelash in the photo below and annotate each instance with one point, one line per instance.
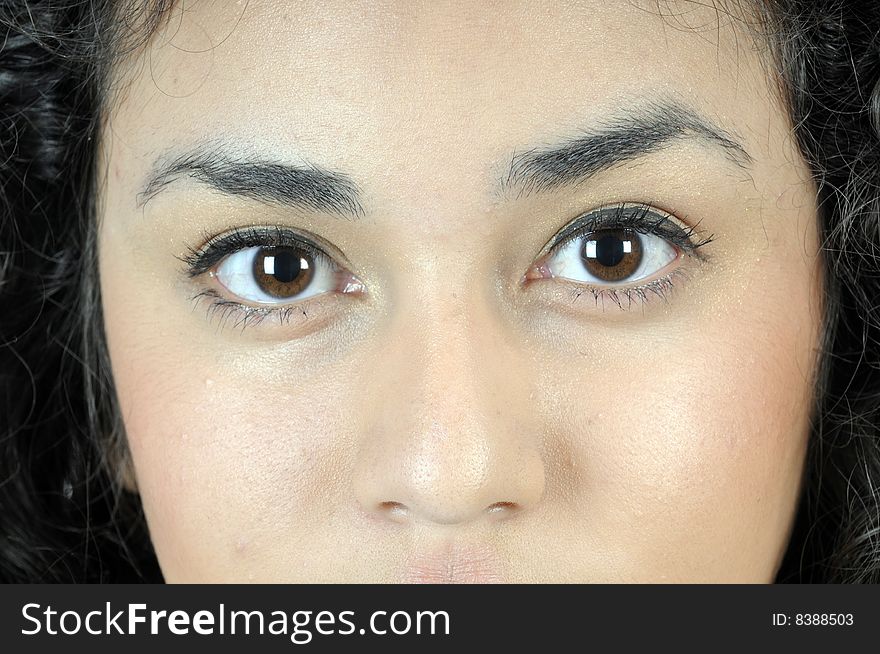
(200, 261)
(640, 218)
(660, 287)
(243, 314)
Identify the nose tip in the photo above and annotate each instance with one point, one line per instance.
(451, 484)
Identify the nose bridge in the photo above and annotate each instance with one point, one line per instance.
(449, 442)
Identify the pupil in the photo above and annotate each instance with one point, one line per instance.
(609, 250)
(287, 266)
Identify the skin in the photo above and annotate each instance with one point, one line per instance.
(453, 422)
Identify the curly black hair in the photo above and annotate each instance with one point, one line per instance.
(64, 513)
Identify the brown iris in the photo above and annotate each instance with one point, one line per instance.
(612, 255)
(283, 272)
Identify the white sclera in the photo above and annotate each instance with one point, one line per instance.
(657, 253)
(236, 274)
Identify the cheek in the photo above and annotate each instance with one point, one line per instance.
(221, 458)
(229, 438)
(227, 446)
(690, 444)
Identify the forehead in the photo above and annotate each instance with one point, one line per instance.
(403, 84)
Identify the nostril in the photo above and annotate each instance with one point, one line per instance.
(502, 510)
(394, 510)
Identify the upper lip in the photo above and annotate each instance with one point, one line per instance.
(455, 564)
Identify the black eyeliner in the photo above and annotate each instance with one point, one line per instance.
(639, 218)
(200, 261)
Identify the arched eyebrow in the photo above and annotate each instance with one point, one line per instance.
(215, 165)
(630, 135)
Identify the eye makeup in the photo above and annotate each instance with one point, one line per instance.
(633, 227)
(251, 279)
(640, 218)
(619, 235)
(202, 260)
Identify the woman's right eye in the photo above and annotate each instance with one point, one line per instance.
(267, 268)
(276, 275)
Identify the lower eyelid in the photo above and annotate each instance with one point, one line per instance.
(655, 291)
(628, 298)
(301, 317)
(573, 294)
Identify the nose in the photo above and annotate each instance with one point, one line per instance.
(451, 438)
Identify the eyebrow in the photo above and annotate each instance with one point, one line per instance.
(307, 186)
(631, 135)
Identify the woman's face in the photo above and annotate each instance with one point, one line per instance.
(343, 345)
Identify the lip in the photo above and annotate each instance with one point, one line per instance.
(455, 564)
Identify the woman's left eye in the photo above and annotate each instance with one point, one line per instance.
(609, 257)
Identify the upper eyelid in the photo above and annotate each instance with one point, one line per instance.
(216, 248)
(610, 216)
